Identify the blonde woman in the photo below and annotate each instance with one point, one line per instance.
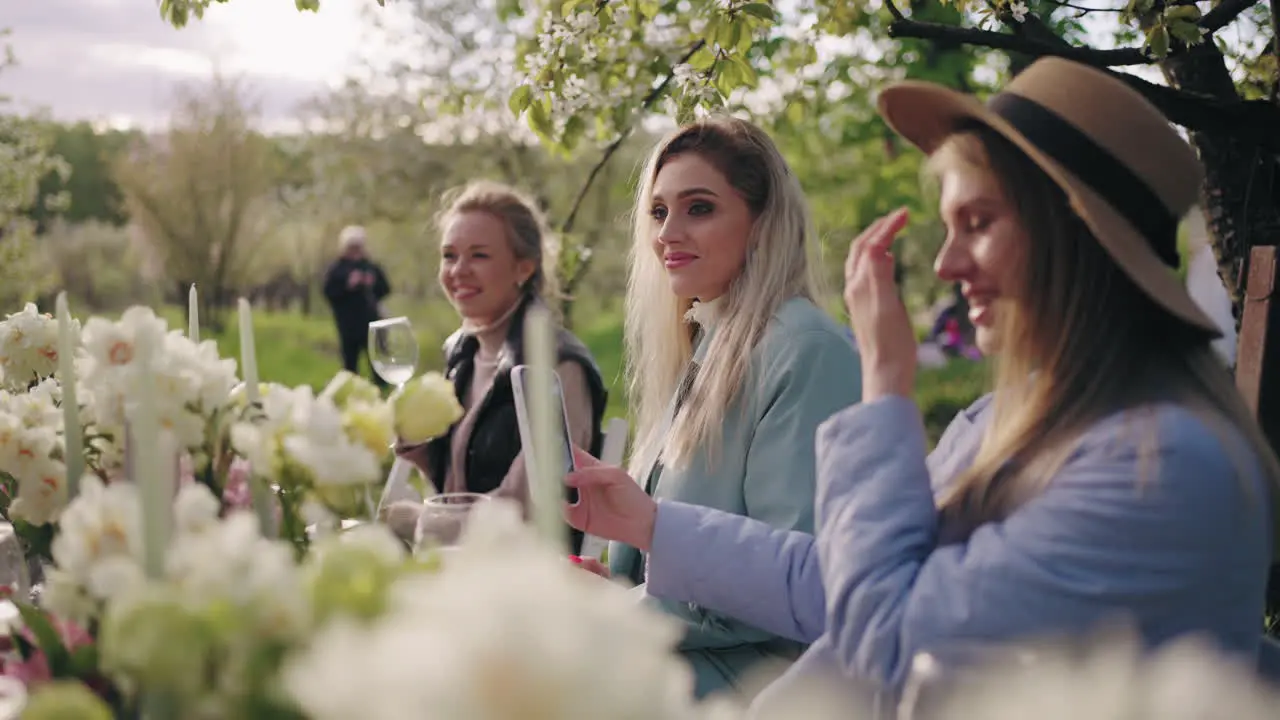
(493, 243)
(1115, 472)
(732, 365)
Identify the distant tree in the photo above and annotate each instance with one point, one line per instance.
(91, 191)
(198, 191)
(26, 156)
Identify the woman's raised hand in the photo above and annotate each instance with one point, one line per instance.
(610, 504)
(886, 340)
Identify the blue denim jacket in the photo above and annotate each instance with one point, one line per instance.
(1178, 545)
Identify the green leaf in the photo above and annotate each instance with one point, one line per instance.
(727, 33)
(760, 10)
(745, 74)
(737, 29)
(84, 660)
(539, 118)
(703, 59)
(520, 99)
(569, 6)
(712, 30)
(727, 80)
(1158, 42)
(574, 128)
(47, 638)
(745, 40)
(1187, 32)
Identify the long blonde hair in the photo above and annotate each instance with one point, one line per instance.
(777, 268)
(1078, 341)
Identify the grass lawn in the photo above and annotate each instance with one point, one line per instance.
(294, 349)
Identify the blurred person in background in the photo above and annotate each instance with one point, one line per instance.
(355, 285)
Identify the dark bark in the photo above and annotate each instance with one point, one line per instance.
(1241, 194)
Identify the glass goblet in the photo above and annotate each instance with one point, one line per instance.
(393, 350)
(443, 517)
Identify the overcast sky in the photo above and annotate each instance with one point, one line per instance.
(116, 61)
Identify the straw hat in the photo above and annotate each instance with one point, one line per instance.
(1126, 172)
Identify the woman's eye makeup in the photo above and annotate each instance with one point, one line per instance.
(697, 207)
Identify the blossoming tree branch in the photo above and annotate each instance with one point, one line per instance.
(592, 68)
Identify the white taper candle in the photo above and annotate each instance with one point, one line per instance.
(193, 315)
(152, 451)
(72, 433)
(248, 357)
(547, 488)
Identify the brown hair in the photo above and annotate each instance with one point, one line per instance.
(1079, 341)
(526, 227)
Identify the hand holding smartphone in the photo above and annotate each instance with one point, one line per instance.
(519, 384)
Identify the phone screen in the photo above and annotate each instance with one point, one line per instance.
(520, 378)
(566, 457)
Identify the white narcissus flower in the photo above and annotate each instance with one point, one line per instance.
(507, 630)
(425, 408)
(190, 383)
(31, 451)
(259, 441)
(195, 509)
(42, 494)
(319, 443)
(231, 562)
(29, 346)
(98, 550)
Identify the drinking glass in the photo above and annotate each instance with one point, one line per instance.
(936, 675)
(443, 518)
(393, 353)
(393, 350)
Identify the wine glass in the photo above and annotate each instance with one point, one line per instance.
(442, 520)
(393, 350)
(393, 353)
(937, 674)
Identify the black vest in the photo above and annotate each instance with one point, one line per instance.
(495, 438)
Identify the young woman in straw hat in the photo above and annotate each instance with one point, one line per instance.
(1114, 472)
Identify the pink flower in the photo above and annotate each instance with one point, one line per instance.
(36, 669)
(236, 492)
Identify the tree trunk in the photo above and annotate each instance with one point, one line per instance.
(1241, 194)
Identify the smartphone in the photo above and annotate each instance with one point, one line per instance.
(519, 384)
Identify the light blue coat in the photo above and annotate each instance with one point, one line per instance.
(803, 370)
(1185, 550)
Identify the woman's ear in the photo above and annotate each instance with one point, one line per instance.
(525, 270)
